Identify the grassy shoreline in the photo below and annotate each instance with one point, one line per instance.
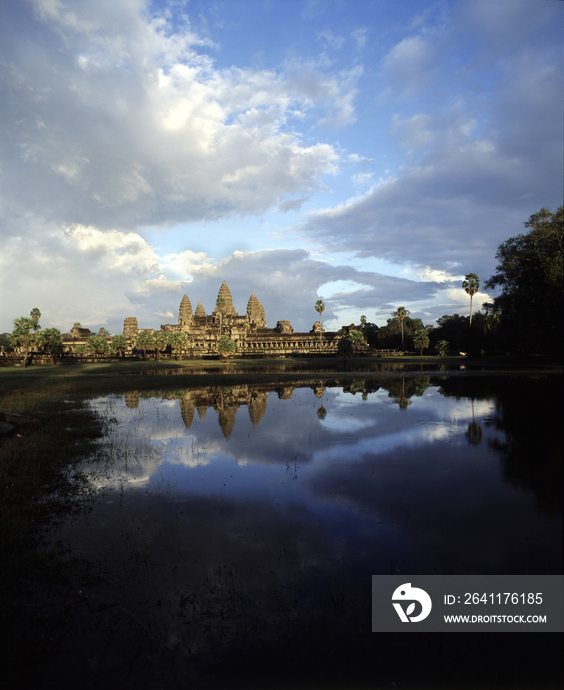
(96, 377)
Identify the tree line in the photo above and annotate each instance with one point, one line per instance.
(27, 336)
(524, 318)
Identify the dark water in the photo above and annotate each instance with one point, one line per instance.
(239, 529)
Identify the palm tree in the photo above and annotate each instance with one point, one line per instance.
(320, 308)
(35, 316)
(23, 334)
(471, 284)
(421, 340)
(400, 313)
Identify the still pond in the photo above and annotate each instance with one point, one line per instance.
(236, 530)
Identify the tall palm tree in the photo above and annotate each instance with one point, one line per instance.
(35, 316)
(400, 313)
(471, 284)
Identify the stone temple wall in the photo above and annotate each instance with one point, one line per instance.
(249, 330)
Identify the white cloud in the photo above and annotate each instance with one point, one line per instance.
(114, 121)
(409, 67)
(124, 252)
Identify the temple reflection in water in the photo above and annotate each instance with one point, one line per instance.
(226, 401)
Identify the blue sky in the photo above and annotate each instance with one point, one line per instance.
(369, 153)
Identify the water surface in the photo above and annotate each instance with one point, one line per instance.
(241, 526)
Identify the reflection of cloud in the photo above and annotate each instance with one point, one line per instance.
(255, 524)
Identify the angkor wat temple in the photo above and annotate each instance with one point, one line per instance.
(249, 330)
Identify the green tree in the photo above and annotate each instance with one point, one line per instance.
(24, 332)
(453, 328)
(4, 342)
(493, 314)
(160, 340)
(104, 333)
(118, 344)
(421, 340)
(179, 341)
(226, 346)
(356, 338)
(400, 313)
(97, 344)
(320, 308)
(442, 347)
(50, 340)
(529, 276)
(471, 285)
(370, 332)
(145, 341)
(35, 315)
(345, 347)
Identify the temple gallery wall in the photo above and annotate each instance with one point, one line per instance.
(249, 330)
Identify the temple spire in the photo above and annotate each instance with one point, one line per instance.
(225, 294)
(185, 312)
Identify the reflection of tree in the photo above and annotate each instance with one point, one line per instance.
(361, 386)
(357, 386)
(474, 432)
(401, 400)
(529, 411)
(401, 390)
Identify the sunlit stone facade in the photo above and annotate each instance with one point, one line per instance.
(248, 330)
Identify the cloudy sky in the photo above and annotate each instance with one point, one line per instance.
(368, 153)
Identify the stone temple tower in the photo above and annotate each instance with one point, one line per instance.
(255, 312)
(200, 311)
(225, 293)
(185, 312)
(130, 328)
